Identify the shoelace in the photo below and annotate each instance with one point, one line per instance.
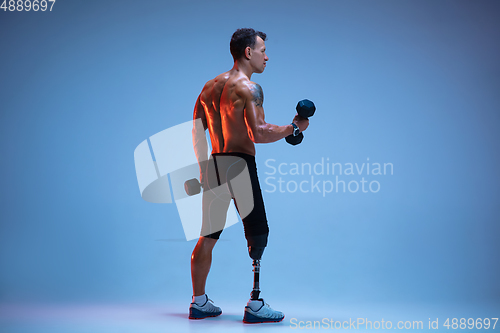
(214, 307)
(266, 305)
(272, 311)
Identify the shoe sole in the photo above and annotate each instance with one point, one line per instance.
(197, 314)
(249, 318)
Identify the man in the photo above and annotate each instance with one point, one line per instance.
(231, 107)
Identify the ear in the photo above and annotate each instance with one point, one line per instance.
(248, 52)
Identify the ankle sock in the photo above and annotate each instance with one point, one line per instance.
(200, 300)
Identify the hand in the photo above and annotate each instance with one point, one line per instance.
(202, 179)
(301, 122)
(203, 171)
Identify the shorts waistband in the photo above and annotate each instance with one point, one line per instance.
(242, 155)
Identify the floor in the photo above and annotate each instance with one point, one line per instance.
(172, 317)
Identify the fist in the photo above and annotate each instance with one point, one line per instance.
(301, 122)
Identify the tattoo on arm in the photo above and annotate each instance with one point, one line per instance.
(258, 94)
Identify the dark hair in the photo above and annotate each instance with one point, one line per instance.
(241, 39)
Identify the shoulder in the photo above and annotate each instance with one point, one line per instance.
(248, 88)
(255, 93)
(209, 84)
(207, 87)
(215, 82)
(221, 77)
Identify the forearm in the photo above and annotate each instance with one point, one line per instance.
(271, 133)
(200, 143)
(200, 147)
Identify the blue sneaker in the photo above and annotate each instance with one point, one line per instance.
(258, 311)
(208, 309)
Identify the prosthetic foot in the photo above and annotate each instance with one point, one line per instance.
(258, 311)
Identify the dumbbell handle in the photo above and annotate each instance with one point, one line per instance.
(305, 109)
(306, 118)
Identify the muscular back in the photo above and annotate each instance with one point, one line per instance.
(223, 106)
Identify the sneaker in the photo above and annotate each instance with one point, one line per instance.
(203, 311)
(263, 314)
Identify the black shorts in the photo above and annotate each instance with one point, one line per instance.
(226, 178)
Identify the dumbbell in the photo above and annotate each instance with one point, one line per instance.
(192, 186)
(305, 108)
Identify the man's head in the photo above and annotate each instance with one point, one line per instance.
(249, 44)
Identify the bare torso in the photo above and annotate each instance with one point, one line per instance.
(224, 109)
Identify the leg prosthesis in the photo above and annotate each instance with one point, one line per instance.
(256, 247)
(258, 311)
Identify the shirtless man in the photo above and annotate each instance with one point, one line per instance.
(230, 106)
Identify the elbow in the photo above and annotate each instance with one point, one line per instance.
(256, 136)
(254, 139)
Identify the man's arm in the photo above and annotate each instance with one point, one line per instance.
(258, 130)
(200, 144)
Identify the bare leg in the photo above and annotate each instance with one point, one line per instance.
(201, 260)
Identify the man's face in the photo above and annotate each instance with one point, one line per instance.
(259, 57)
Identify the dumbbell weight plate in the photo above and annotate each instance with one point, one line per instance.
(305, 108)
(294, 140)
(192, 186)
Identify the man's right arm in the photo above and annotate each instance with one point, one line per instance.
(258, 130)
(200, 144)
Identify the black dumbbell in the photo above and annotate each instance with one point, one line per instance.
(305, 108)
(192, 186)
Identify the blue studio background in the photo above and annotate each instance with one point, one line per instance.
(412, 84)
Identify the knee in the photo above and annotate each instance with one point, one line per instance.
(203, 248)
(207, 243)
